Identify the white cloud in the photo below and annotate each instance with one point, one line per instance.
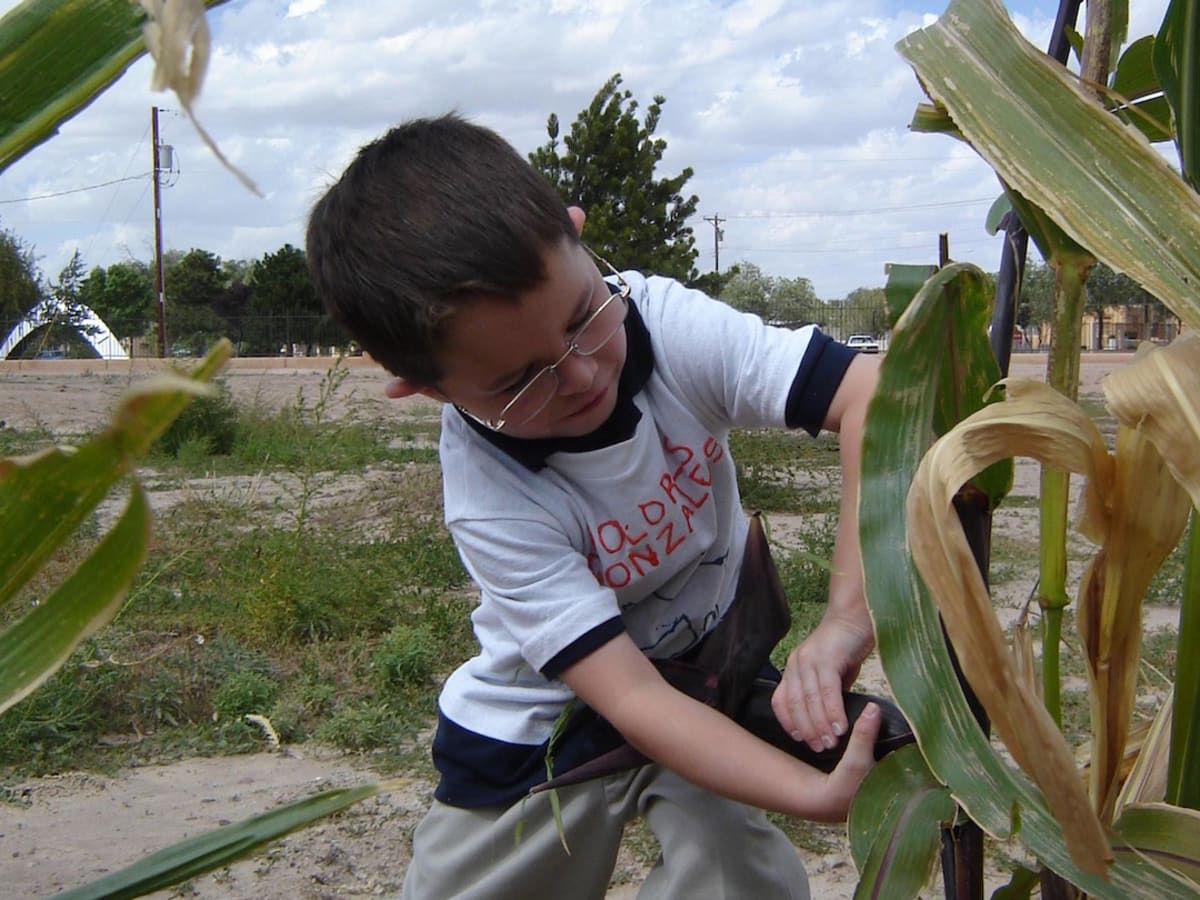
(794, 117)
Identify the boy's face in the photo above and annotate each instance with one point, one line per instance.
(495, 347)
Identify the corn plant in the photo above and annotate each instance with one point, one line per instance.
(57, 56)
(1088, 186)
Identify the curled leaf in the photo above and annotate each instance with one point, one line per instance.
(1149, 513)
(1160, 390)
(1038, 422)
(178, 38)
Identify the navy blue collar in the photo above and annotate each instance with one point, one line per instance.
(618, 427)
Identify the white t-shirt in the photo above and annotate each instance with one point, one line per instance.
(644, 535)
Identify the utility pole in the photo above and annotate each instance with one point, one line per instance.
(158, 252)
(718, 235)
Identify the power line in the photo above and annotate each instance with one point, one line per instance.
(78, 190)
(858, 212)
(838, 249)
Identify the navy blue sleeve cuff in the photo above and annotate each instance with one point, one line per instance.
(582, 646)
(817, 380)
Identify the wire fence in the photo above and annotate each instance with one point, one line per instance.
(186, 336)
(190, 335)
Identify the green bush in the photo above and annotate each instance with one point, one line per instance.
(363, 726)
(63, 718)
(244, 693)
(210, 421)
(406, 658)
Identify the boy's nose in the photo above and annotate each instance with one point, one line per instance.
(576, 374)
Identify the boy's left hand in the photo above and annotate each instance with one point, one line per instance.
(843, 782)
(808, 701)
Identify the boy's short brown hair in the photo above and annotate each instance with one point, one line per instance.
(432, 215)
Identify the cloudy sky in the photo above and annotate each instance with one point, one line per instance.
(794, 116)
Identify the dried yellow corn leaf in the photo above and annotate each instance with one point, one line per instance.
(178, 39)
(1022, 649)
(1149, 513)
(1150, 748)
(1160, 390)
(1037, 422)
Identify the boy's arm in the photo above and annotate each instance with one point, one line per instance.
(808, 701)
(708, 749)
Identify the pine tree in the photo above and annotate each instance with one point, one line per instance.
(607, 167)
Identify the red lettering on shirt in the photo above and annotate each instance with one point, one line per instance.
(653, 511)
(617, 575)
(612, 535)
(648, 556)
(713, 451)
(671, 487)
(663, 522)
(683, 451)
(668, 532)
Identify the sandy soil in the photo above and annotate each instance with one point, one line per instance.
(66, 830)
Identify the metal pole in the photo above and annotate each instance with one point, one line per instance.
(158, 253)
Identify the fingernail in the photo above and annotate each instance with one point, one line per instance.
(872, 710)
(828, 741)
(838, 728)
(797, 736)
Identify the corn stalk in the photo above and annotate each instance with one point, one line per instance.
(1088, 187)
(56, 57)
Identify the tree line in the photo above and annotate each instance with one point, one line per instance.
(606, 163)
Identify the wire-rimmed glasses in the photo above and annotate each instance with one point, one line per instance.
(597, 330)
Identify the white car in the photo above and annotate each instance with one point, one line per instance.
(863, 342)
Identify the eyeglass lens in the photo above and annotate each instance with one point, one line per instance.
(597, 332)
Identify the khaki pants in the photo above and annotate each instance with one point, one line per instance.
(712, 848)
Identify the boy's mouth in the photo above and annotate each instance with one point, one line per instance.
(592, 402)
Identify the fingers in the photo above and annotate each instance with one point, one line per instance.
(860, 749)
(808, 704)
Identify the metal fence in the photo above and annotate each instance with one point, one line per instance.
(280, 335)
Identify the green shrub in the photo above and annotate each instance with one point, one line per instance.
(212, 422)
(406, 658)
(63, 718)
(244, 693)
(363, 726)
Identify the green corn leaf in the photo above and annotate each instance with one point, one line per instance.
(932, 118)
(969, 368)
(221, 847)
(1134, 76)
(1019, 887)
(44, 498)
(909, 632)
(903, 283)
(1183, 769)
(1098, 179)
(1176, 58)
(40, 642)
(1166, 834)
(895, 826)
(56, 57)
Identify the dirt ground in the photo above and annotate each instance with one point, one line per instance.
(62, 831)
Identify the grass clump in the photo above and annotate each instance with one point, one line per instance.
(785, 471)
(208, 426)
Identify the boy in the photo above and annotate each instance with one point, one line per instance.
(590, 492)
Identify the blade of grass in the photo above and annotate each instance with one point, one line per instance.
(40, 642)
(223, 846)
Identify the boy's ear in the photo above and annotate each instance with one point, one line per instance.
(398, 389)
(578, 217)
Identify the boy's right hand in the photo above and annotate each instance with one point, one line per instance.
(808, 701)
(843, 782)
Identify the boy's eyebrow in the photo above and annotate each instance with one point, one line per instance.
(582, 308)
